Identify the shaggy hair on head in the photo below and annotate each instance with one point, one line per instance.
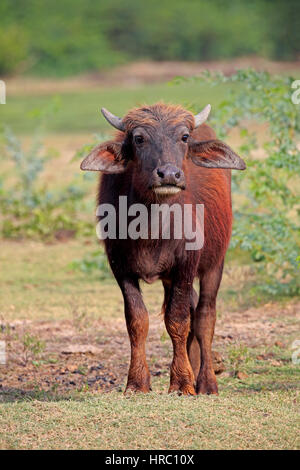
(152, 115)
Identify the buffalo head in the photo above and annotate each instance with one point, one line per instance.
(155, 141)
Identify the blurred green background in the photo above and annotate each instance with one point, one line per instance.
(61, 38)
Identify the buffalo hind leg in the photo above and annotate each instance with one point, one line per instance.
(137, 322)
(177, 320)
(204, 326)
(193, 348)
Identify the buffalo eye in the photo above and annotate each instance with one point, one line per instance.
(185, 137)
(139, 139)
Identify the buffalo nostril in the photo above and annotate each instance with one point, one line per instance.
(160, 173)
(177, 175)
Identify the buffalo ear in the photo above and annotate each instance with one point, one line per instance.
(106, 157)
(215, 154)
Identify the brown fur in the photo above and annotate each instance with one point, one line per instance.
(189, 321)
(152, 115)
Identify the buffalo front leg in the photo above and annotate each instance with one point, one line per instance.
(137, 322)
(177, 320)
(204, 326)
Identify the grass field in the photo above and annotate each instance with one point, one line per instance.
(68, 393)
(80, 111)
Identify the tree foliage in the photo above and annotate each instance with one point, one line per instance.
(71, 36)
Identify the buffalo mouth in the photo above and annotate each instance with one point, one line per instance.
(167, 189)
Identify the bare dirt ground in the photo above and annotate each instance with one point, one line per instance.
(138, 73)
(93, 355)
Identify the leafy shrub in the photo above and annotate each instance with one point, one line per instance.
(32, 347)
(29, 209)
(266, 201)
(95, 261)
(238, 357)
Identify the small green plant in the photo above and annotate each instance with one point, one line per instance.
(83, 388)
(238, 357)
(95, 261)
(82, 369)
(32, 347)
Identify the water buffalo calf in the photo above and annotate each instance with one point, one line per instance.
(165, 154)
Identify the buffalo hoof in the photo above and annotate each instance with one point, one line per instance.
(133, 388)
(185, 389)
(206, 385)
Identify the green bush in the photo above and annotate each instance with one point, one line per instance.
(267, 194)
(95, 261)
(30, 209)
